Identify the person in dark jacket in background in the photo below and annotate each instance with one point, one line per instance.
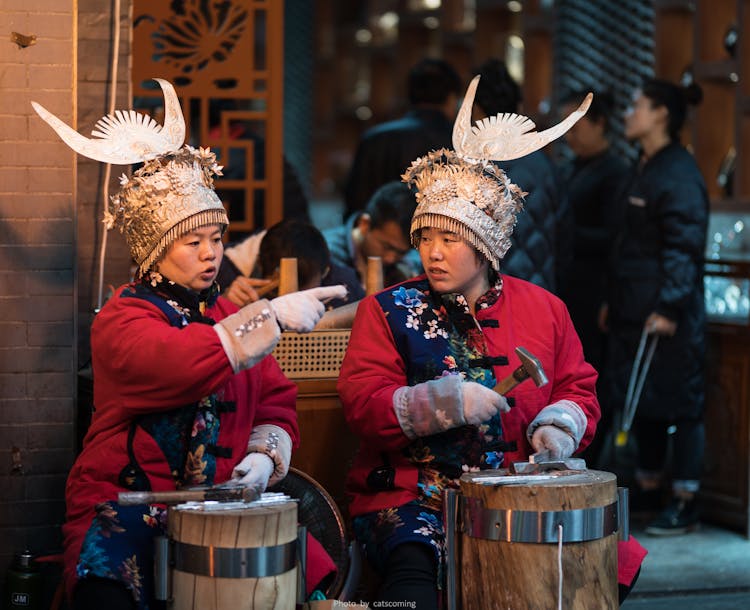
(249, 266)
(593, 180)
(381, 229)
(541, 246)
(386, 149)
(656, 290)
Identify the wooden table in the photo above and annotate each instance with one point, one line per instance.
(327, 446)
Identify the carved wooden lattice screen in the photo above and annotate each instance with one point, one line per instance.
(225, 60)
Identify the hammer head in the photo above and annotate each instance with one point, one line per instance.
(531, 366)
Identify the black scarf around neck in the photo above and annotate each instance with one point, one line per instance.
(191, 304)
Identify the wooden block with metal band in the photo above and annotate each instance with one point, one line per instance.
(528, 541)
(231, 555)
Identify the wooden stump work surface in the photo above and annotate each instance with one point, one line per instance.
(242, 528)
(496, 574)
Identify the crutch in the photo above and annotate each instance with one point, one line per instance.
(635, 384)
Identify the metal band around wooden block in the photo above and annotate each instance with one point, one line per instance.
(222, 562)
(579, 525)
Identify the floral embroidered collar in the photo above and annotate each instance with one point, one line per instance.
(412, 298)
(489, 298)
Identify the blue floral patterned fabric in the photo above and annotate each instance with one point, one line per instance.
(379, 533)
(185, 436)
(120, 545)
(435, 335)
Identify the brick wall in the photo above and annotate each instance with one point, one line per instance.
(37, 270)
(50, 230)
(94, 45)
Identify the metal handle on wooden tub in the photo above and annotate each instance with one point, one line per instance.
(450, 516)
(302, 563)
(162, 585)
(623, 513)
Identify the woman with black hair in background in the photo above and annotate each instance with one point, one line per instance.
(593, 180)
(656, 287)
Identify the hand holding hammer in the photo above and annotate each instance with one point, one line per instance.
(530, 368)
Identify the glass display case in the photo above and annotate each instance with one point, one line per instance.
(724, 493)
(727, 278)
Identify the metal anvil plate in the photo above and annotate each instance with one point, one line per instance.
(546, 466)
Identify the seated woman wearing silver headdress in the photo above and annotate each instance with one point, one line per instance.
(186, 392)
(424, 356)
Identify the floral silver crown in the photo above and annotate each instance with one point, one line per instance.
(462, 191)
(170, 195)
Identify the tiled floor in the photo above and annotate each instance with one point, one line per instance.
(708, 570)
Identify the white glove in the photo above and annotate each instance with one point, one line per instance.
(274, 442)
(481, 403)
(301, 311)
(254, 471)
(558, 442)
(440, 404)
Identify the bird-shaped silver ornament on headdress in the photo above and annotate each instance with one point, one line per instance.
(505, 136)
(127, 136)
(463, 191)
(170, 194)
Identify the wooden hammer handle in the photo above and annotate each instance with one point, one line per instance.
(234, 493)
(511, 381)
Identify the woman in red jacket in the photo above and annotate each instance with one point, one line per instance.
(416, 382)
(185, 390)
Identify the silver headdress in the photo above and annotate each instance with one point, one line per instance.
(462, 191)
(170, 195)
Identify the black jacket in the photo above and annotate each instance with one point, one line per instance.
(541, 244)
(386, 151)
(594, 186)
(657, 266)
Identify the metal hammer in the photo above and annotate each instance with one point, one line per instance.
(530, 368)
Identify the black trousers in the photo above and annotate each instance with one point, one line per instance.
(411, 576)
(688, 444)
(103, 593)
